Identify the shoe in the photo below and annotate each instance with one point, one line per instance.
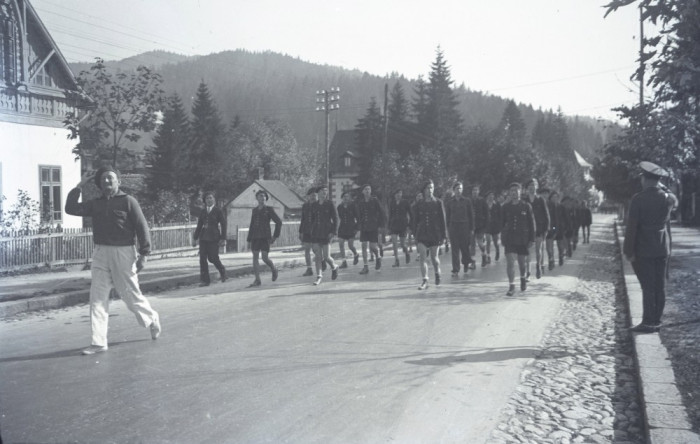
(523, 284)
(423, 285)
(318, 280)
(511, 290)
(204, 284)
(344, 264)
(396, 264)
(356, 259)
(408, 257)
(371, 258)
(364, 270)
(644, 328)
(483, 260)
(324, 265)
(256, 283)
(437, 279)
(334, 273)
(222, 275)
(551, 265)
(378, 264)
(538, 272)
(561, 261)
(275, 273)
(308, 272)
(498, 254)
(472, 265)
(93, 349)
(455, 273)
(488, 259)
(155, 329)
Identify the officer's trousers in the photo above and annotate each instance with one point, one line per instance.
(651, 273)
(459, 238)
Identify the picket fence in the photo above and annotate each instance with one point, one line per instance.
(75, 246)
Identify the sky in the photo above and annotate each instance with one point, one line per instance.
(550, 54)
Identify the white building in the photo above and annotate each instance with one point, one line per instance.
(37, 90)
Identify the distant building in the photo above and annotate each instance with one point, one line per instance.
(344, 163)
(287, 204)
(584, 165)
(37, 90)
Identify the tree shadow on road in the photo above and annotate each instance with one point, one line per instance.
(485, 355)
(62, 353)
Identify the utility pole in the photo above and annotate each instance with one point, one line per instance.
(641, 56)
(327, 101)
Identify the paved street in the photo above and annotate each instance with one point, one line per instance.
(361, 359)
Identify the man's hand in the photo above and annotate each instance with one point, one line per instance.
(222, 242)
(195, 242)
(630, 258)
(272, 241)
(87, 177)
(140, 262)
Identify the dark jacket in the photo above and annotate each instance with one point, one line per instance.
(648, 234)
(324, 219)
(259, 227)
(481, 214)
(347, 214)
(305, 223)
(370, 214)
(566, 226)
(459, 211)
(117, 221)
(495, 219)
(208, 225)
(399, 215)
(586, 216)
(555, 229)
(541, 212)
(518, 224)
(429, 225)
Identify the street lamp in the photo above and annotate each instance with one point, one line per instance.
(327, 101)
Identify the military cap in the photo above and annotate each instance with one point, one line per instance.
(652, 169)
(312, 190)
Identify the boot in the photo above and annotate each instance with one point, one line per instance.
(483, 260)
(538, 271)
(396, 264)
(356, 259)
(344, 264)
(437, 279)
(498, 252)
(423, 285)
(523, 284)
(511, 290)
(551, 264)
(308, 272)
(364, 270)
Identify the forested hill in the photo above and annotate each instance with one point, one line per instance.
(256, 85)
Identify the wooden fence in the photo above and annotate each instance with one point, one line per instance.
(289, 236)
(71, 247)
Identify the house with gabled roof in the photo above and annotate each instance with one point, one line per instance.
(37, 90)
(286, 202)
(344, 164)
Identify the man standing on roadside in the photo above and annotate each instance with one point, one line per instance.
(117, 222)
(647, 243)
(459, 215)
(210, 234)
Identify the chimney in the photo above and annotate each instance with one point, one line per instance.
(261, 173)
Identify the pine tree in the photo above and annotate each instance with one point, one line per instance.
(206, 138)
(443, 120)
(369, 130)
(398, 105)
(165, 166)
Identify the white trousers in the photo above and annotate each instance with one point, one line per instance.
(115, 267)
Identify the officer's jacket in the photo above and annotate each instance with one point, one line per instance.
(260, 219)
(459, 210)
(324, 219)
(347, 214)
(370, 214)
(429, 222)
(211, 226)
(648, 234)
(518, 224)
(399, 215)
(586, 216)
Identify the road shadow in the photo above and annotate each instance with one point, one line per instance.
(63, 353)
(487, 355)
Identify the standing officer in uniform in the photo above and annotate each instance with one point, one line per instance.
(459, 215)
(259, 237)
(399, 221)
(210, 237)
(647, 243)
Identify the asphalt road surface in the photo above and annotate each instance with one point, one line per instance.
(363, 359)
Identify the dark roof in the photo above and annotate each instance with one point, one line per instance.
(281, 192)
(344, 144)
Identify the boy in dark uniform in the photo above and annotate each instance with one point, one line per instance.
(371, 220)
(586, 221)
(305, 228)
(647, 243)
(459, 215)
(399, 219)
(493, 230)
(324, 226)
(518, 236)
(347, 214)
(542, 222)
(259, 238)
(481, 215)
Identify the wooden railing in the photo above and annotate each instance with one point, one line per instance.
(74, 246)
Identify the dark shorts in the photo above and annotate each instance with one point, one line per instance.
(429, 242)
(369, 236)
(306, 238)
(347, 236)
(399, 233)
(260, 245)
(320, 241)
(520, 250)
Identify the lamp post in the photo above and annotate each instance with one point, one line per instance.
(327, 101)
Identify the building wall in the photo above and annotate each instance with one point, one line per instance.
(336, 188)
(23, 149)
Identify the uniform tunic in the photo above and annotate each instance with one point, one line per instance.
(481, 214)
(259, 227)
(495, 219)
(324, 221)
(541, 213)
(347, 214)
(518, 224)
(429, 227)
(399, 216)
(305, 224)
(370, 218)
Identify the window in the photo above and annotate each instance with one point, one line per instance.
(42, 77)
(51, 194)
(348, 161)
